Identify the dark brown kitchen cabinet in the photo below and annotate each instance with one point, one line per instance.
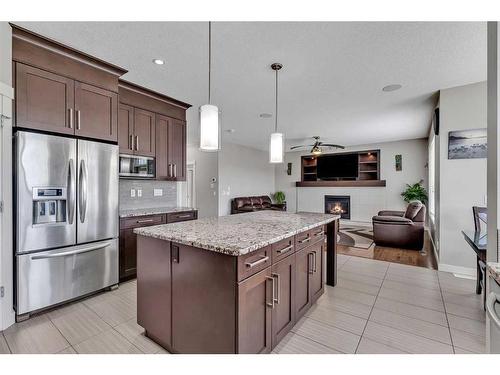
(283, 312)
(316, 283)
(144, 132)
(125, 129)
(44, 100)
(170, 148)
(255, 308)
(96, 112)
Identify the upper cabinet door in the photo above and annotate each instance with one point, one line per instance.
(177, 149)
(126, 129)
(163, 166)
(144, 132)
(96, 112)
(44, 100)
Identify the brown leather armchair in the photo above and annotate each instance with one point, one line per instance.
(404, 229)
(257, 203)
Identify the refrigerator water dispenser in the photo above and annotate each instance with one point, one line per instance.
(49, 205)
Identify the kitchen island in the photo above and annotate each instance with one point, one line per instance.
(232, 284)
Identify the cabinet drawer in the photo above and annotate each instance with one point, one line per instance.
(181, 216)
(253, 262)
(142, 221)
(318, 234)
(282, 249)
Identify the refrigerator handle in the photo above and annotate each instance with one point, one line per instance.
(71, 191)
(82, 193)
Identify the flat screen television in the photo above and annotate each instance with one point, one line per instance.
(337, 166)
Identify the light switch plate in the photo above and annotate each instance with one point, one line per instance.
(132, 193)
(139, 193)
(157, 192)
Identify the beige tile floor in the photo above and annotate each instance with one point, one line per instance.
(377, 307)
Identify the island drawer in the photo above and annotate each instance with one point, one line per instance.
(142, 221)
(282, 249)
(175, 217)
(309, 237)
(251, 263)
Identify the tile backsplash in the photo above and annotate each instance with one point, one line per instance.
(149, 191)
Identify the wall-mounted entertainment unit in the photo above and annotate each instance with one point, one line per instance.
(361, 168)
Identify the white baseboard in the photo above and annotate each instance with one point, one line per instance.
(466, 272)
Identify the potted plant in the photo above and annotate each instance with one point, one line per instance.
(279, 197)
(415, 192)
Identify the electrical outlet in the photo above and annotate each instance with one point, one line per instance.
(157, 192)
(139, 193)
(132, 193)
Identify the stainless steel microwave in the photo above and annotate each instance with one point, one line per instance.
(132, 166)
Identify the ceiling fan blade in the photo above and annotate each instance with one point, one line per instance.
(299, 146)
(332, 145)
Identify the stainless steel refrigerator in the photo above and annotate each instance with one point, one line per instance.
(66, 224)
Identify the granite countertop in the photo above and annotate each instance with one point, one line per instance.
(494, 270)
(152, 211)
(238, 234)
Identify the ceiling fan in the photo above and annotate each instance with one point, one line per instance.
(317, 147)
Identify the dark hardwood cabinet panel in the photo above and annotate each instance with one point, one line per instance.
(96, 112)
(177, 149)
(283, 314)
(316, 283)
(127, 254)
(154, 288)
(44, 100)
(144, 132)
(255, 301)
(206, 296)
(302, 295)
(126, 129)
(163, 167)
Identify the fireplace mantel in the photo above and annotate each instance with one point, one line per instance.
(358, 183)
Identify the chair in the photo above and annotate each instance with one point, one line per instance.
(403, 229)
(480, 214)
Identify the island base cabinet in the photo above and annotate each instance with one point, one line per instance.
(255, 304)
(283, 312)
(316, 276)
(154, 289)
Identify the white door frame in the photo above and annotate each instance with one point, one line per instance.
(191, 166)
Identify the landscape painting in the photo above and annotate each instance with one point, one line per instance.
(467, 144)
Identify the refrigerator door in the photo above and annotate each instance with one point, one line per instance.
(45, 200)
(97, 213)
(51, 277)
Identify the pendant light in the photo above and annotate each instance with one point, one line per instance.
(276, 141)
(209, 113)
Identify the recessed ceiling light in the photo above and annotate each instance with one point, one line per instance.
(158, 61)
(391, 87)
(265, 115)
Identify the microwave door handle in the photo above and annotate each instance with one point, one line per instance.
(71, 191)
(82, 193)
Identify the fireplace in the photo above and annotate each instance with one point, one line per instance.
(339, 205)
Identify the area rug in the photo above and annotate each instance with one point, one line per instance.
(355, 236)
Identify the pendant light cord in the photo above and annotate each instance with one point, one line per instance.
(276, 115)
(209, 57)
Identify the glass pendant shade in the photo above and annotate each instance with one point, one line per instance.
(209, 127)
(276, 148)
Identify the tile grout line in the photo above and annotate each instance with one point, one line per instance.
(371, 310)
(446, 315)
(6, 342)
(317, 342)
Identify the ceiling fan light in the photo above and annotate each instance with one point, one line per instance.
(276, 148)
(317, 151)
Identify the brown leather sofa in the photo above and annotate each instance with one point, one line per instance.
(404, 229)
(251, 204)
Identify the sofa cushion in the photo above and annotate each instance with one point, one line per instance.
(266, 201)
(398, 220)
(413, 209)
(256, 202)
(242, 201)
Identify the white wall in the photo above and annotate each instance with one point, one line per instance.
(243, 171)
(205, 169)
(365, 201)
(6, 251)
(462, 181)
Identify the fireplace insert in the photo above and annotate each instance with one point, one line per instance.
(338, 205)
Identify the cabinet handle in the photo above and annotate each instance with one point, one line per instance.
(136, 143)
(169, 170)
(271, 304)
(175, 170)
(257, 262)
(310, 269)
(131, 145)
(78, 119)
(305, 240)
(285, 249)
(70, 118)
(320, 233)
(145, 221)
(185, 216)
(175, 254)
(278, 286)
(315, 262)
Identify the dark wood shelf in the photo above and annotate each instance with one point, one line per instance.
(364, 183)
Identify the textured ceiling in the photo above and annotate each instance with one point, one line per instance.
(331, 83)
